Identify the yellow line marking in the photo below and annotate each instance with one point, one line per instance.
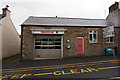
(42, 74)
(61, 67)
(39, 69)
(82, 70)
(109, 67)
(19, 70)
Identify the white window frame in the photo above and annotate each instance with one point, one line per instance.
(92, 36)
(109, 40)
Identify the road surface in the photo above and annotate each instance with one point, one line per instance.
(99, 69)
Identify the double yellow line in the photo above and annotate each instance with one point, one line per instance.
(98, 69)
(109, 67)
(50, 73)
(44, 68)
(42, 74)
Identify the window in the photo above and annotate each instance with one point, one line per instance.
(48, 43)
(109, 40)
(92, 36)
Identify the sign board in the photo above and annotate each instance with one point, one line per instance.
(47, 32)
(108, 31)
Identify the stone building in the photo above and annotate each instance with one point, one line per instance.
(59, 37)
(114, 18)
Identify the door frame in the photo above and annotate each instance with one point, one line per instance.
(83, 44)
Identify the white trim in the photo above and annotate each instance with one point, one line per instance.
(62, 46)
(92, 36)
(83, 42)
(48, 31)
(34, 47)
(109, 40)
(34, 51)
(40, 32)
(80, 37)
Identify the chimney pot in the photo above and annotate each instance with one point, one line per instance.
(114, 7)
(6, 7)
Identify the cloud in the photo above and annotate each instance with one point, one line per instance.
(22, 9)
(20, 0)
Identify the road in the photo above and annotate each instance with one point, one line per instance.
(99, 69)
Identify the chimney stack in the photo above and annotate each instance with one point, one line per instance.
(114, 7)
(5, 10)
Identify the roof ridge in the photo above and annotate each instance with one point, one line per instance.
(67, 18)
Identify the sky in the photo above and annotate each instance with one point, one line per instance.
(22, 9)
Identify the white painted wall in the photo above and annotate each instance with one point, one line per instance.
(119, 4)
(10, 38)
(0, 40)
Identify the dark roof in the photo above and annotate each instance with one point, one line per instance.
(2, 16)
(61, 21)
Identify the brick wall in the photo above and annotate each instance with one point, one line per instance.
(119, 41)
(90, 49)
(27, 43)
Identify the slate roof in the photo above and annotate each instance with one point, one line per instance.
(2, 16)
(61, 21)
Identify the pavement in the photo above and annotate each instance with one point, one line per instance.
(50, 62)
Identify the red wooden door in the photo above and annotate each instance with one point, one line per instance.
(79, 45)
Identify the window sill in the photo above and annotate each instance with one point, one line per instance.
(109, 42)
(92, 43)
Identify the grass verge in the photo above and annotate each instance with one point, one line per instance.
(10, 59)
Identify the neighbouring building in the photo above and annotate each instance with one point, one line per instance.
(114, 18)
(59, 37)
(9, 36)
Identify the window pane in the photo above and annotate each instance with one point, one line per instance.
(111, 39)
(37, 43)
(51, 42)
(37, 39)
(90, 32)
(51, 47)
(94, 32)
(45, 47)
(44, 42)
(107, 39)
(37, 47)
(90, 37)
(44, 39)
(51, 39)
(57, 43)
(58, 39)
(94, 38)
(57, 47)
